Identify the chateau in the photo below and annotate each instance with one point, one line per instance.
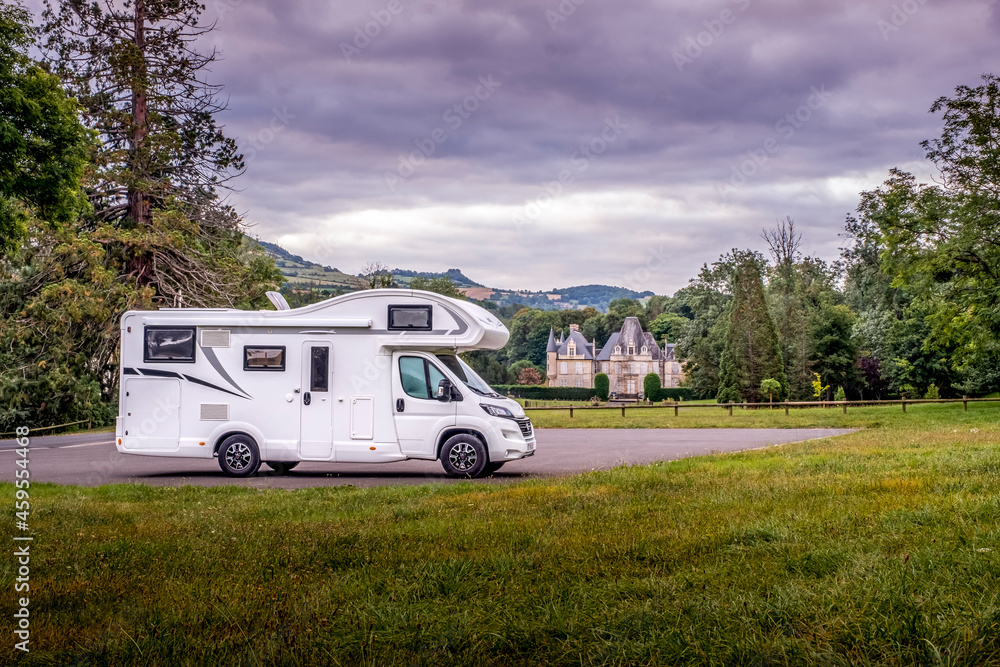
(628, 357)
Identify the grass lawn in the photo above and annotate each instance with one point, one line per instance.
(880, 547)
(916, 416)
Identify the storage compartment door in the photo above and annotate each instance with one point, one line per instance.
(152, 413)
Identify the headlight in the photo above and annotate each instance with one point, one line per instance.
(497, 410)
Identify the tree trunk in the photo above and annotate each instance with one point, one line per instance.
(139, 209)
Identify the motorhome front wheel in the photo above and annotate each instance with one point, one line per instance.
(239, 456)
(464, 456)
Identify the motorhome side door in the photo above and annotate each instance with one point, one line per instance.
(419, 416)
(316, 439)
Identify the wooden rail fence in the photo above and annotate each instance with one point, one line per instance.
(47, 428)
(785, 404)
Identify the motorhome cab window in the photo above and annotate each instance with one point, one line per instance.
(410, 318)
(319, 375)
(420, 379)
(173, 344)
(465, 373)
(264, 358)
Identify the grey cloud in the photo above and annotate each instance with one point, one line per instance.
(355, 119)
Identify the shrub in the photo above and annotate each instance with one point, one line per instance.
(840, 395)
(602, 386)
(651, 387)
(530, 375)
(932, 392)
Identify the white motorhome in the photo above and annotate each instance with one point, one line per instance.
(368, 377)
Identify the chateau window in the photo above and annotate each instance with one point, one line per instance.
(618, 349)
(645, 349)
(604, 367)
(579, 368)
(563, 367)
(579, 382)
(631, 349)
(677, 368)
(571, 350)
(618, 367)
(562, 382)
(644, 369)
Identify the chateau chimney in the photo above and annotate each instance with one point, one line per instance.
(574, 327)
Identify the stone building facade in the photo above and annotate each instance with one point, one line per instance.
(628, 356)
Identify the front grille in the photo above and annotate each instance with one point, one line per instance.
(525, 426)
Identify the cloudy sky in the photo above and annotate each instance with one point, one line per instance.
(548, 144)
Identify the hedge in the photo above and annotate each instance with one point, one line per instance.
(546, 393)
(676, 393)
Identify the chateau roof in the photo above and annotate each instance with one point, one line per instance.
(605, 353)
(631, 334)
(582, 346)
(551, 347)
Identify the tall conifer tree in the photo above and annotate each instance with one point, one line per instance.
(752, 351)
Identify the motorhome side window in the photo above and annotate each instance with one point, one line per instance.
(419, 378)
(410, 318)
(264, 358)
(169, 344)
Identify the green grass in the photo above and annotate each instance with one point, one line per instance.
(880, 547)
(916, 416)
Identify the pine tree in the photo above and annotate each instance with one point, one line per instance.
(752, 351)
(161, 157)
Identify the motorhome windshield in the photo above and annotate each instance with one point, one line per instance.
(466, 375)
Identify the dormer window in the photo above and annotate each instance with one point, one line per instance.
(572, 349)
(618, 349)
(645, 349)
(631, 349)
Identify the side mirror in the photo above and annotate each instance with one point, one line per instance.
(444, 390)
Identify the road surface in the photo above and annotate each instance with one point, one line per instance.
(91, 459)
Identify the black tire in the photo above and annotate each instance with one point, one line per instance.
(239, 456)
(493, 467)
(281, 467)
(464, 455)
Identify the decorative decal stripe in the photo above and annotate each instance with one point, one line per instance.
(152, 372)
(212, 386)
(160, 374)
(217, 365)
(463, 326)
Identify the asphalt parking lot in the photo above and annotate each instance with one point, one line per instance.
(91, 459)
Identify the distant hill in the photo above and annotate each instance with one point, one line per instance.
(567, 298)
(303, 274)
(457, 277)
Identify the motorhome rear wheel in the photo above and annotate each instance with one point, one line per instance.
(239, 456)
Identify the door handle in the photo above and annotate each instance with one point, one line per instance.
(400, 406)
(306, 398)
